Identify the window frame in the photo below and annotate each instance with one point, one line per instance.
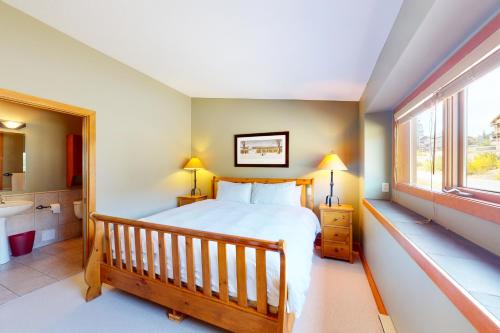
(432, 143)
(477, 202)
(481, 194)
(490, 196)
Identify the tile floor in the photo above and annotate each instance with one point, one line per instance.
(45, 265)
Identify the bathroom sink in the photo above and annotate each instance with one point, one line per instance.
(14, 207)
(7, 209)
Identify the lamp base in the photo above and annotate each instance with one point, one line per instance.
(194, 190)
(328, 200)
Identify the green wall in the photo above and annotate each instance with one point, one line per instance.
(316, 128)
(377, 154)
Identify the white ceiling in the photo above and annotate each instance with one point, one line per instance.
(273, 49)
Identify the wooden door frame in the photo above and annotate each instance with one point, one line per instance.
(89, 135)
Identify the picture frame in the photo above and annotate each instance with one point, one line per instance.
(270, 150)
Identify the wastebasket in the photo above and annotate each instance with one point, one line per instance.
(21, 244)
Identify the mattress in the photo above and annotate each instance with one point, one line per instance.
(297, 226)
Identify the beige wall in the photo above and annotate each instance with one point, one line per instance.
(45, 144)
(143, 126)
(316, 128)
(377, 154)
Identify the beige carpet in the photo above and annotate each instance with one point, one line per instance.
(339, 300)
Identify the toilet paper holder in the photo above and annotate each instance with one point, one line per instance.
(55, 207)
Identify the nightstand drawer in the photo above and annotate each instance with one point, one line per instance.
(336, 250)
(334, 234)
(336, 219)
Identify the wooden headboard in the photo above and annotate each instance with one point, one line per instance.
(306, 199)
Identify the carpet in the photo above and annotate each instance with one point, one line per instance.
(339, 300)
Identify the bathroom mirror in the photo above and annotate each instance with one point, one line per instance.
(42, 155)
(12, 161)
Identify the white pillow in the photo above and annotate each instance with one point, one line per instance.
(238, 192)
(277, 194)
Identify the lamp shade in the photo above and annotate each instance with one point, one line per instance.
(194, 163)
(332, 162)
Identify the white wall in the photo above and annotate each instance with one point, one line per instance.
(413, 301)
(410, 17)
(424, 35)
(143, 127)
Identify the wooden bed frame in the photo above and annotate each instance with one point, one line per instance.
(186, 298)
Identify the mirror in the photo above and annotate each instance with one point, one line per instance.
(44, 154)
(12, 161)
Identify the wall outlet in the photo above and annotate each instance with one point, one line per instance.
(385, 187)
(48, 235)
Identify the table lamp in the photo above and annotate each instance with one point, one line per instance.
(332, 162)
(194, 164)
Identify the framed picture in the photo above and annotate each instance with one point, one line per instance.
(261, 150)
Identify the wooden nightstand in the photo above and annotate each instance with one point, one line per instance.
(189, 199)
(336, 231)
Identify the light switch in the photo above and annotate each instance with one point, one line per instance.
(385, 187)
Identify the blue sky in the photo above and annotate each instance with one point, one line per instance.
(483, 103)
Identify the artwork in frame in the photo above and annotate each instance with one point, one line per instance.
(261, 150)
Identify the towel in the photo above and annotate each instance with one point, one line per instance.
(18, 182)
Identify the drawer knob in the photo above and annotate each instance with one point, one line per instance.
(336, 219)
(335, 234)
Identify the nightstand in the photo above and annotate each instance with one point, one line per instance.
(189, 199)
(336, 231)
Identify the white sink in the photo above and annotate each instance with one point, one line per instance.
(8, 209)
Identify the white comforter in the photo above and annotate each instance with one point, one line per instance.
(297, 226)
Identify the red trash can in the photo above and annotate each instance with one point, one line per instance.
(21, 244)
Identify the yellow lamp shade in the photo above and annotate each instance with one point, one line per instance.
(194, 163)
(332, 162)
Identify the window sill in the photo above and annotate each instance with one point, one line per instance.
(467, 274)
(483, 209)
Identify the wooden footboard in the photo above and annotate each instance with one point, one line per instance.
(216, 307)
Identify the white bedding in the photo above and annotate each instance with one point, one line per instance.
(298, 226)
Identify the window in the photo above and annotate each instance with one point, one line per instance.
(451, 141)
(482, 133)
(427, 150)
(420, 149)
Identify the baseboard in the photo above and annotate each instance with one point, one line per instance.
(373, 286)
(386, 323)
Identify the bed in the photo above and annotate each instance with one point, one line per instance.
(208, 260)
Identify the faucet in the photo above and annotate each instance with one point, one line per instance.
(2, 200)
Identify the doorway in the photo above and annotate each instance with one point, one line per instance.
(88, 153)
